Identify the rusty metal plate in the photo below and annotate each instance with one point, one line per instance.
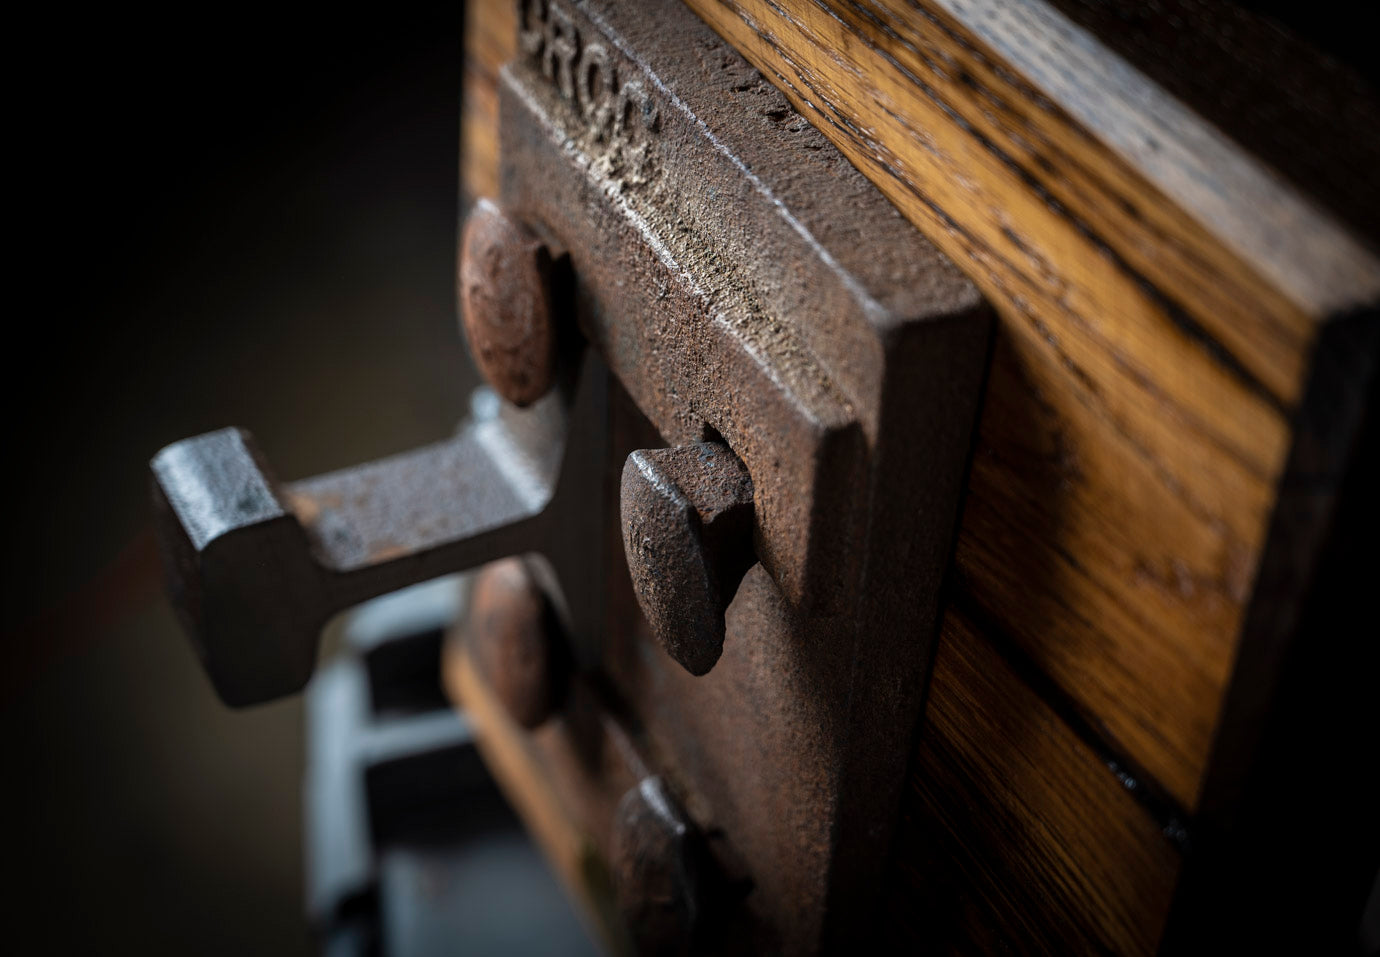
(778, 454)
(745, 285)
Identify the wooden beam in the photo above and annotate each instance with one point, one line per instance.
(1024, 840)
(1156, 329)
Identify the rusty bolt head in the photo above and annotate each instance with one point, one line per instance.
(656, 861)
(506, 304)
(687, 535)
(510, 641)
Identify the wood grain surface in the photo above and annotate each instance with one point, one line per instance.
(1150, 351)
(490, 39)
(1035, 836)
(555, 796)
(1306, 115)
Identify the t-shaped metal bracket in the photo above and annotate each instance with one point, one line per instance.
(255, 568)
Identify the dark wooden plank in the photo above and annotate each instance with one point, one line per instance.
(557, 798)
(1287, 839)
(1159, 292)
(490, 41)
(1307, 115)
(1017, 836)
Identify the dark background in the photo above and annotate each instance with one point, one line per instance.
(241, 217)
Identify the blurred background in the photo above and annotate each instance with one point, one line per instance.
(243, 218)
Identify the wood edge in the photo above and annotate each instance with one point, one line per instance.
(1319, 263)
(518, 773)
(978, 698)
(1283, 825)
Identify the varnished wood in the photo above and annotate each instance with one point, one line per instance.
(522, 763)
(490, 39)
(1002, 791)
(1281, 234)
(1307, 116)
(1286, 837)
(1125, 474)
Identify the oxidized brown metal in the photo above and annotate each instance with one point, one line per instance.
(506, 307)
(746, 285)
(656, 861)
(749, 290)
(511, 642)
(255, 568)
(687, 535)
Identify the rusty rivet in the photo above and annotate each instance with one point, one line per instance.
(506, 304)
(687, 534)
(656, 862)
(509, 634)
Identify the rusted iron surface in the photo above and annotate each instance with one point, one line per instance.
(512, 641)
(687, 536)
(506, 304)
(758, 277)
(747, 286)
(656, 858)
(815, 365)
(255, 568)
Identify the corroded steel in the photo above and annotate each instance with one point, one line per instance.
(815, 366)
(255, 567)
(506, 304)
(511, 641)
(655, 857)
(747, 286)
(687, 536)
